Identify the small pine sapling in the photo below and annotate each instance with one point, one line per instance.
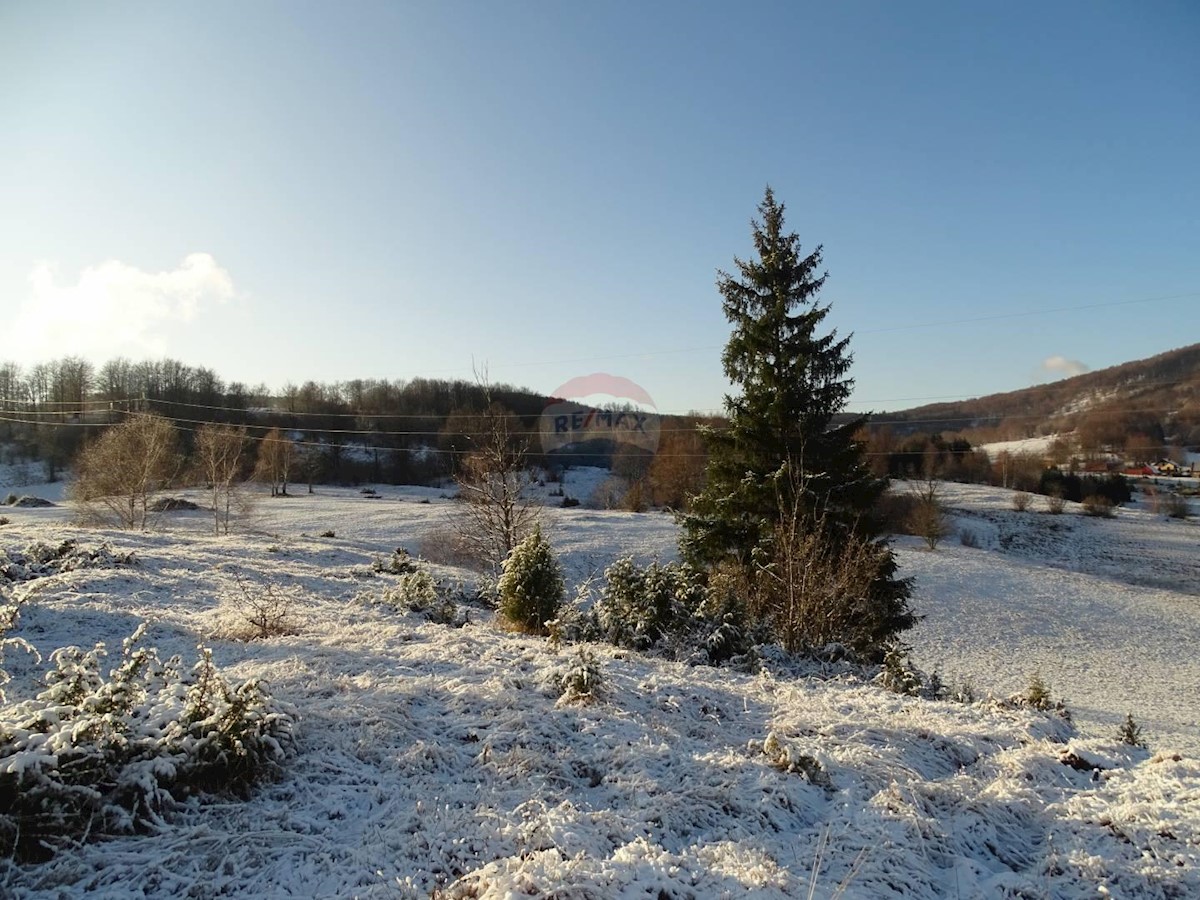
(1131, 733)
(531, 585)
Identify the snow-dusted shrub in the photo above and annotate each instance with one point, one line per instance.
(5, 520)
(1055, 504)
(419, 592)
(1037, 694)
(790, 759)
(1173, 506)
(640, 604)
(90, 755)
(576, 621)
(530, 585)
(968, 537)
(1131, 733)
(581, 680)
(1020, 500)
(898, 675)
(258, 611)
(400, 563)
(41, 560)
(1099, 506)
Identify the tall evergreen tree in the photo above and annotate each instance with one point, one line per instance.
(783, 459)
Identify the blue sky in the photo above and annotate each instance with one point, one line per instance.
(285, 191)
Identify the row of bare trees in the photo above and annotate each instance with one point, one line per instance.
(119, 473)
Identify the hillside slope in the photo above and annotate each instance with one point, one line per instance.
(1163, 390)
(442, 761)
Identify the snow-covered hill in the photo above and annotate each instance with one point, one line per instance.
(437, 760)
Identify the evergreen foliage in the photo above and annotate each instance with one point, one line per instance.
(783, 459)
(531, 585)
(90, 756)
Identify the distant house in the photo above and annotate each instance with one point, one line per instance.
(1168, 467)
(1139, 470)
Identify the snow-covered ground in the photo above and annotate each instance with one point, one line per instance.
(1107, 610)
(1034, 446)
(435, 758)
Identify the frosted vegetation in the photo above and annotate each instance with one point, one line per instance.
(397, 742)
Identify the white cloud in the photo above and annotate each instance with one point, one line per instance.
(1063, 366)
(114, 308)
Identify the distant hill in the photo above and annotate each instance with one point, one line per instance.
(1158, 398)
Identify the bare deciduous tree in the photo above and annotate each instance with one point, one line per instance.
(276, 455)
(121, 470)
(491, 479)
(219, 451)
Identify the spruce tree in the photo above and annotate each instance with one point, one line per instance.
(786, 457)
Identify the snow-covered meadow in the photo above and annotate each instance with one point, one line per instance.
(436, 760)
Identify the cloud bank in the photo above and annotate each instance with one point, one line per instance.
(114, 308)
(1060, 365)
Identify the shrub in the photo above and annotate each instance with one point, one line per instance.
(400, 563)
(530, 585)
(635, 499)
(117, 474)
(582, 681)
(1020, 500)
(1099, 507)
(816, 588)
(90, 756)
(258, 611)
(1037, 694)
(893, 511)
(898, 675)
(1055, 504)
(1174, 506)
(1131, 732)
(791, 760)
(928, 517)
(328, 534)
(968, 538)
(963, 692)
(419, 592)
(10, 499)
(639, 605)
(5, 520)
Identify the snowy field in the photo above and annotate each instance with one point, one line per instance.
(439, 761)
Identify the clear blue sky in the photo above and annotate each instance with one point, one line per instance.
(398, 189)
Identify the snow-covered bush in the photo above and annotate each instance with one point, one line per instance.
(400, 563)
(790, 759)
(91, 755)
(530, 585)
(419, 592)
(41, 560)
(581, 680)
(1037, 694)
(1099, 506)
(1020, 500)
(898, 675)
(257, 611)
(1131, 733)
(639, 605)
(1172, 505)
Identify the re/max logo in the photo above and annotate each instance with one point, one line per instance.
(585, 419)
